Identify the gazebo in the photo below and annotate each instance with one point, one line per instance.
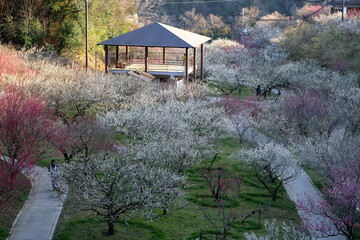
(164, 39)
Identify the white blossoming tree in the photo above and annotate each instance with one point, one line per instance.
(230, 66)
(113, 184)
(273, 165)
(286, 232)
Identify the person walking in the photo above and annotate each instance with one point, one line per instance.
(54, 171)
(258, 92)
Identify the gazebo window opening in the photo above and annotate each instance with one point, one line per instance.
(136, 55)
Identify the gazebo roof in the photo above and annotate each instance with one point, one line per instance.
(158, 35)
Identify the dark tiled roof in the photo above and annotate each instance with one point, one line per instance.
(158, 35)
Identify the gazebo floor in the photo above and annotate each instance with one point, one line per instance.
(169, 70)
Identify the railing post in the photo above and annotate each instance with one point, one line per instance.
(194, 65)
(146, 58)
(86, 35)
(106, 47)
(202, 63)
(117, 57)
(186, 66)
(127, 54)
(164, 55)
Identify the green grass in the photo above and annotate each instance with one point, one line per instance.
(121, 137)
(47, 161)
(315, 177)
(8, 214)
(93, 228)
(245, 92)
(189, 222)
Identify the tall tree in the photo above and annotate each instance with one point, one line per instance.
(273, 166)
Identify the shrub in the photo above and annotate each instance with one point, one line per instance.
(11, 63)
(329, 41)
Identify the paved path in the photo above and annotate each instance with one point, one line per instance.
(38, 218)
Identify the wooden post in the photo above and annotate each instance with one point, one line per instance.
(186, 66)
(117, 57)
(96, 60)
(194, 65)
(86, 35)
(164, 55)
(146, 58)
(106, 47)
(127, 54)
(202, 63)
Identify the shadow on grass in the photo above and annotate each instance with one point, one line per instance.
(207, 201)
(4, 233)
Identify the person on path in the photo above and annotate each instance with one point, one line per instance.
(277, 95)
(258, 92)
(265, 93)
(54, 171)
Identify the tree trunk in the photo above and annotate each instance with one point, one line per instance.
(274, 195)
(67, 157)
(164, 211)
(111, 227)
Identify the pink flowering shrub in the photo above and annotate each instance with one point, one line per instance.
(303, 112)
(11, 64)
(248, 106)
(339, 213)
(223, 186)
(24, 130)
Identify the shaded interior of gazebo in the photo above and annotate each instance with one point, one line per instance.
(157, 49)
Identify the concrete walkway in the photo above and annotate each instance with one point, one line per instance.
(38, 218)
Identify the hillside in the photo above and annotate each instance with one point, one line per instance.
(194, 14)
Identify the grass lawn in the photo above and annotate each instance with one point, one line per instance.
(315, 177)
(245, 92)
(188, 222)
(8, 214)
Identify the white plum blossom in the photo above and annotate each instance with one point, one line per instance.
(113, 184)
(286, 232)
(73, 93)
(190, 128)
(273, 165)
(174, 136)
(309, 74)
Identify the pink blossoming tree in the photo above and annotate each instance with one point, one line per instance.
(339, 213)
(24, 131)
